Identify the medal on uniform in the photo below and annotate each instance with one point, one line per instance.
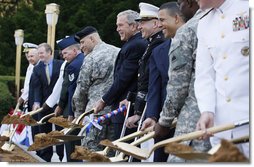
(242, 22)
(245, 51)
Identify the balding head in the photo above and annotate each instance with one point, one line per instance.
(33, 56)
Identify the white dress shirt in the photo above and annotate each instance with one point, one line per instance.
(29, 72)
(55, 95)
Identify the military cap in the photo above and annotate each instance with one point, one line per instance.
(83, 33)
(27, 46)
(147, 11)
(66, 42)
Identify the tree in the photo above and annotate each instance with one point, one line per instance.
(74, 15)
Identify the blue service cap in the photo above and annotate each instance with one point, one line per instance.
(83, 33)
(66, 42)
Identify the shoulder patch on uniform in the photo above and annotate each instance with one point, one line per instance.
(71, 77)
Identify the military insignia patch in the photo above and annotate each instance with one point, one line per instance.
(241, 23)
(71, 77)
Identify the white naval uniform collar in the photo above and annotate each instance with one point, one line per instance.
(225, 6)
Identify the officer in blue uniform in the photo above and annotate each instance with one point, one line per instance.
(74, 57)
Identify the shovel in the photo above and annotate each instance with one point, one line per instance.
(191, 155)
(42, 120)
(7, 133)
(8, 146)
(121, 156)
(104, 152)
(66, 137)
(101, 156)
(144, 153)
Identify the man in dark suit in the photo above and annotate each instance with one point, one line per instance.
(126, 66)
(170, 20)
(45, 75)
(33, 58)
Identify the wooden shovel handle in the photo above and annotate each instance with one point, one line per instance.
(16, 108)
(241, 139)
(46, 116)
(131, 136)
(83, 115)
(193, 135)
(33, 112)
(143, 139)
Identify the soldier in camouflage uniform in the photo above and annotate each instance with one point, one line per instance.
(94, 80)
(180, 100)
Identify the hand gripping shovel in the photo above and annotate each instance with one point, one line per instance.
(144, 153)
(186, 152)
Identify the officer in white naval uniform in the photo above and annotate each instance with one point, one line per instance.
(24, 96)
(222, 68)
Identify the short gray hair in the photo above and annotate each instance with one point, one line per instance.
(131, 15)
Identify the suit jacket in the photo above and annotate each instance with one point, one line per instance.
(42, 90)
(31, 93)
(143, 72)
(125, 73)
(158, 79)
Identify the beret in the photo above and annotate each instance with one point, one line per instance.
(83, 33)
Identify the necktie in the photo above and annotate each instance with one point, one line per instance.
(47, 73)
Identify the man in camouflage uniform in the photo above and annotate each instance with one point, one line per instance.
(94, 80)
(180, 100)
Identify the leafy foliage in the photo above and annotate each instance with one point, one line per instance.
(74, 15)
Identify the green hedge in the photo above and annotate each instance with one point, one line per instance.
(7, 94)
(7, 100)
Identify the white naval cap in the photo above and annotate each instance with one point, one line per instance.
(27, 46)
(147, 11)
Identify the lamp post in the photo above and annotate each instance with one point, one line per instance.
(52, 11)
(19, 39)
